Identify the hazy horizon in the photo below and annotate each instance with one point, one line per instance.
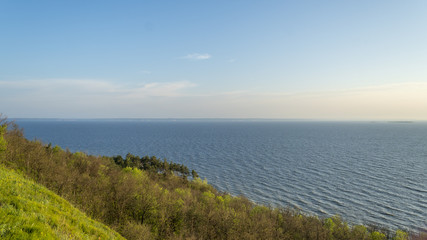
(401, 121)
(306, 60)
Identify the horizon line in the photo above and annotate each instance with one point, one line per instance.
(212, 119)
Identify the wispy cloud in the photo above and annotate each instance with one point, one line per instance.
(88, 87)
(145, 72)
(404, 101)
(197, 56)
(97, 98)
(88, 98)
(165, 89)
(61, 85)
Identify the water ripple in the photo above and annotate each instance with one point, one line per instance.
(367, 173)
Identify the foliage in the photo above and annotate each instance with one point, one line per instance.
(153, 164)
(145, 198)
(30, 211)
(2, 141)
(3, 144)
(401, 235)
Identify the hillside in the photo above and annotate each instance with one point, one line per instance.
(30, 211)
(142, 198)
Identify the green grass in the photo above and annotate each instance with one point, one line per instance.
(30, 211)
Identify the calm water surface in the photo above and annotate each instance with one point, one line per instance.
(365, 172)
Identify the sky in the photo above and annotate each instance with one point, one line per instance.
(326, 60)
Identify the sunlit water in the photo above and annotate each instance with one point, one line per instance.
(364, 172)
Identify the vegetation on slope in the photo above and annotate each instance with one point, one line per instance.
(30, 211)
(148, 202)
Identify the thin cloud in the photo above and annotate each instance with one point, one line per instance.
(197, 56)
(166, 89)
(88, 98)
(404, 101)
(53, 85)
(95, 98)
(86, 87)
(145, 72)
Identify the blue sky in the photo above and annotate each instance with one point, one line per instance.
(343, 60)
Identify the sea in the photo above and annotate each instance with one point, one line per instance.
(372, 173)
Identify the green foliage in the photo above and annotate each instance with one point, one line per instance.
(360, 232)
(146, 198)
(377, 236)
(29, 211)
(401, 235)
(194, 174)
(153, 164)
(3, 143)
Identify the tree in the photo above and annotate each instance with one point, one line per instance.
(3, 143)
(194, 174)
(2, 140)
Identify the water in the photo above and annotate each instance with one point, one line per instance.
(364, 172)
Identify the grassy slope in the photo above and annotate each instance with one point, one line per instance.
(30, 211)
